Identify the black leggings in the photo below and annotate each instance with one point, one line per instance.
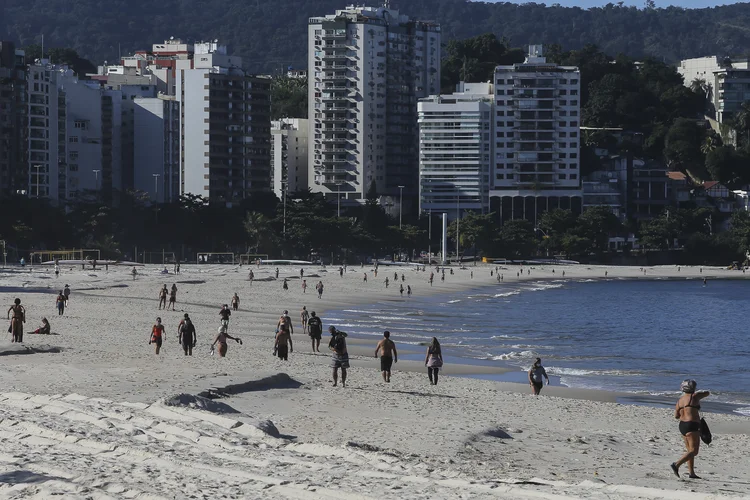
(433, 374)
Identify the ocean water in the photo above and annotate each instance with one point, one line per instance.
(639, 337)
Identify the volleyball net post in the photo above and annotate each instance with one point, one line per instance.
(214, 258)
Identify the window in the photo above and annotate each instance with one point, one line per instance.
(561, 166)
(560, 144)
(561, 176)
(574, 82)
(563, 102)
(73, 139)
(563, 92)
(73, 156)
(563, 81)
(501, 134)
(563, 155)
(564, 113)
(574, 102)
(563, 134)
(509, 155)
(510, 145)
(574, 134)
(73, 167)
(501, 82)
(501, 103)
(510, 92)
(574, 92)
(501, 144)
(573, 124)
(573, 155)
(500, 92)
(561, 124)
(574, 113)
(508, 124)
(500, 176)
(573, 144)
(80, 124)
(573, 177)
(501, 113)
(511, 113)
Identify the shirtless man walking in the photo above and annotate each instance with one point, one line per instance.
(172, 296)
(304, 316)
(388, 355)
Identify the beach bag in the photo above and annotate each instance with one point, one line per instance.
(437, 363)
(706, 436)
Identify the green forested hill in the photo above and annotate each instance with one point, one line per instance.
(271, 34)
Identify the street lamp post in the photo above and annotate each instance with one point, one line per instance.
(400, 200)
(338, 199)
(37, 167)
(96, 180)
(429, 238)
(156, 187)
(458, 218)
(538, 229)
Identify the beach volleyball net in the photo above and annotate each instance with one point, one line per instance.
(215, 258)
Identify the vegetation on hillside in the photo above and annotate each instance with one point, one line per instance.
(272, 34)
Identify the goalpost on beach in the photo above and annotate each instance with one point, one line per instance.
(252, 258)
(215, 258)
(69, 254)
(162, 257)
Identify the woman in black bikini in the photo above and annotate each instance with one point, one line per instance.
(687, 412)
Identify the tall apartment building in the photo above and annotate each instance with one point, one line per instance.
(289, 155)
(367, 69)
(728, 82)
(225, 126)
(156, 147)
(74, 135)
(537, 119)
(13, 120)
(456, 144)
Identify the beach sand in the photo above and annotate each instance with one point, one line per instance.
(83, 413)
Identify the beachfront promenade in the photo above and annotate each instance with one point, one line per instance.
(466, 436)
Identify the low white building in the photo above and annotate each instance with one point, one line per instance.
(455, 150)
(289, 155)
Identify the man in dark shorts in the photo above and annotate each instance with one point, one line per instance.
(536, 374)
(315, 330)
(225, 313)
(163, 297)
(388, 355)
(284, 342)
(339, 356)
(188, 337)
(172, 296)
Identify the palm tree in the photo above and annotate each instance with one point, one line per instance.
(711, 142)
(256, 227)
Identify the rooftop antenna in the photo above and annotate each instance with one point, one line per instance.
(42, 47)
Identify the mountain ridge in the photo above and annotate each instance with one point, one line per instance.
(272, 34)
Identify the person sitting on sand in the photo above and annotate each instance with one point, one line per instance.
(315, 331)
(163, 296)
(339, 356)
(388, 355)
(187, 335)
(434, 360)
(157, 335)
(45, 329)
(687, 411)
(16, 321)
(221, 339)
(536, 373)
(283, 345)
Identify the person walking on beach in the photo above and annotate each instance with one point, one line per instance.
(66, 294)
(304, 316)
(432, 277)
(408, 290)
(341, 272)
(277, 273)
(386, 282)
(16, 321)
(301, 273)
(319, 288)
(433, 360)
(285, 286)
(163, 297)
(225, 313)
(221, 339)
(687, 411)
(388, 355)
(401, 290)
(283, 342)
(251, 276)
(60, 303)
(365, 280)
(304, 286)
(188, 336)
(134, 272)
(339, 356)
(157, 336)
(285, 318)
(315, 331)
(235, 302)
(172, 296)
(536, 373)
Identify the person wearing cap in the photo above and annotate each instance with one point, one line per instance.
(388, 355)
(687, 411)
(315, 331)
(285, 317)
(339, 356)
(536, 374)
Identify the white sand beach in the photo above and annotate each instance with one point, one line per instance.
(92, 412)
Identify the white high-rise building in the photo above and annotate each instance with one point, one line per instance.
(289, 155)
(74, 135)
(225, 126)
(537, 144)
(456, 144)
(367, 69)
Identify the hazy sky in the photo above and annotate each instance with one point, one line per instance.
(637, 3)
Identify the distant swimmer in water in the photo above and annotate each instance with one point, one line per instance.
(687, 411)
